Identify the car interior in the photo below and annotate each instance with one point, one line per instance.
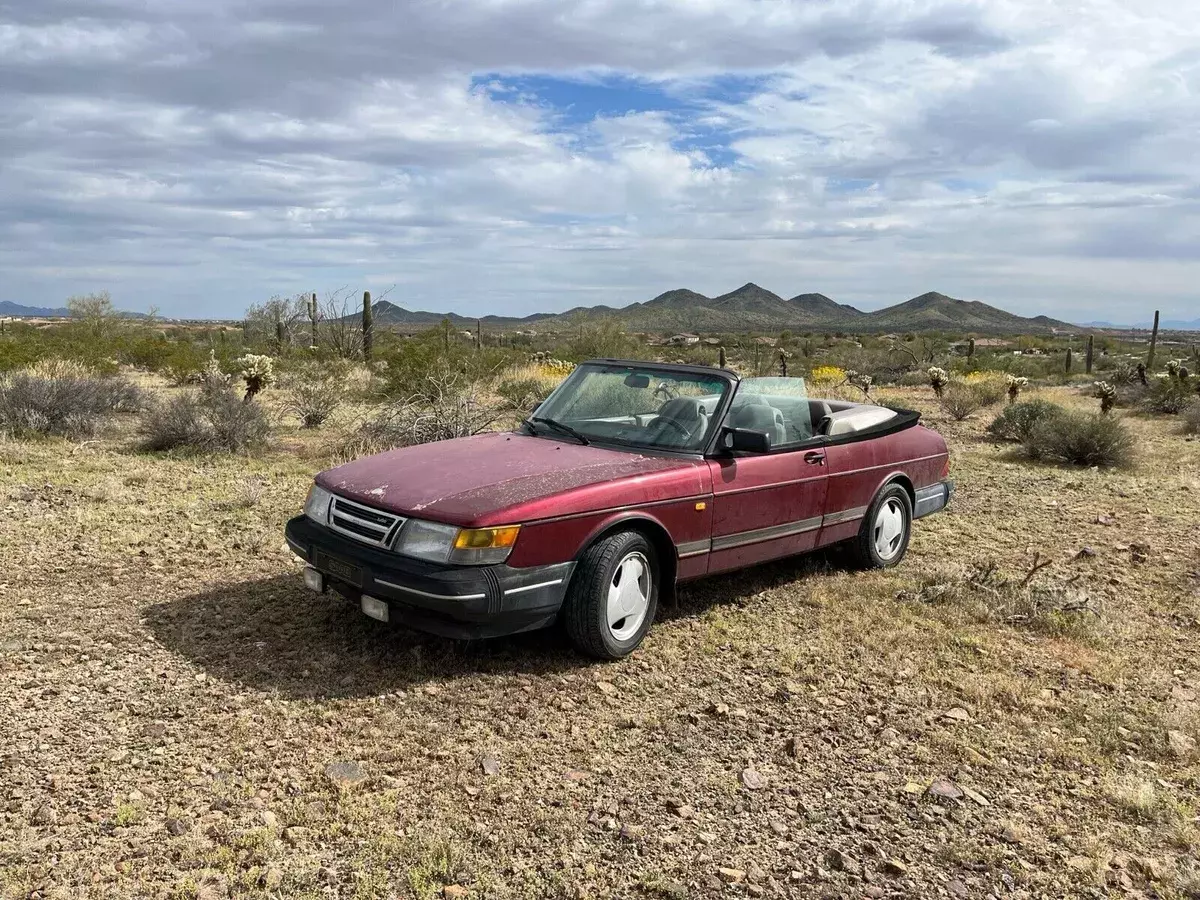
(779, 407)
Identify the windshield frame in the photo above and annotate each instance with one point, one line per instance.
(716, 420)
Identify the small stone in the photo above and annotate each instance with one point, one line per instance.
(840, 862)
(177, 827)
(718, 709)
(294, 834)
(778, 827)
(607, 688)
(890, 736)
(944, 789)
(632, 832)
(44, 815)
(1014, 833)
(957, 888)
(731, 876)
(346, 773)
(793, 746)
(957, 714)
(1180, 744)
(895, 867)
(269, 818)
(680, 809)
(875, 891)
(1081, 863)
(273, 878)
(1150, 867)
(753, 780)
(975, 795)
(489, 763)
(454, 892)
(755, 890)
(755, 875)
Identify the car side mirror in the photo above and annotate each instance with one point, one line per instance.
(745, 440)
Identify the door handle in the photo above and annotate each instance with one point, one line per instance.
(814, 458)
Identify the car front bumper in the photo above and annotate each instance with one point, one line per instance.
(933, 498)
(451, 601)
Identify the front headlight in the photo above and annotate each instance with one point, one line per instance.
(439, 543)
(426, 540)
(316, 507)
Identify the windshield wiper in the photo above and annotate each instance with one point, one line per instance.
(560, 427)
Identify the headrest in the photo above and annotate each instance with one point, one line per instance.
(757, 417)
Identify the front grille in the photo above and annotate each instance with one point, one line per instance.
(370, 526)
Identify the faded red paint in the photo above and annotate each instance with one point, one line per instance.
(565, 494)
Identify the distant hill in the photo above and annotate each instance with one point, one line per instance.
(752, 308)
(934, 310)
(8, 308)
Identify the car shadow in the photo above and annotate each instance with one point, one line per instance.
(271, 634)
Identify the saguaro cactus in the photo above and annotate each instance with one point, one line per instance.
(1153, 343)
(721, 357)
(1091, 349)
(312, 316)
(368, 327)
(1068, 362)
(971, 348)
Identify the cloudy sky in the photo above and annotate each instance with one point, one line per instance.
(515, 156)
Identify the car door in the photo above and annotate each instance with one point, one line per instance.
(767, 505)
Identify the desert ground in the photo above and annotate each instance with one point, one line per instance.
(180, 718)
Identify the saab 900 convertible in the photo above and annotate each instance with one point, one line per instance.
(630, 478)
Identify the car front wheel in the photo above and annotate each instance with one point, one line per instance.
(613, 596)
(883, 538)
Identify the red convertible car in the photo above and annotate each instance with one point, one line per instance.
(629, 478)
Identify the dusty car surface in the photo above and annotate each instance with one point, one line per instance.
(630, 478)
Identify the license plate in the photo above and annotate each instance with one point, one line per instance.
(339, 569)
(376, 609)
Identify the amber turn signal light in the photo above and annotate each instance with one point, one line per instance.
(487, 538)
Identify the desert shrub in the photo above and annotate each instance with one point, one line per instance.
(212, 419)
(1017, 421)
(982, 593)
(1081, 439)
(961, 399)
(443, 408)
(315, 392)
(990, 387)
(1168, 396)
(1191, 418)
(69, 406)
(183, 364)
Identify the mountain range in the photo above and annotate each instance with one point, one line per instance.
(753, 308)
(8, 308)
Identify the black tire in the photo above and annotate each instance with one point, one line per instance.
(585, 609)
(865, 547)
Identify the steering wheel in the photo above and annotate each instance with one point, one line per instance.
(666, 390)
(683, 431)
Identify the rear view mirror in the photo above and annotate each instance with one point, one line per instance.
(745, 440)
(637, 381)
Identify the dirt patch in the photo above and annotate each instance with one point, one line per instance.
(180, 719)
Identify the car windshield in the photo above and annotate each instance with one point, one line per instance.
(636, 405)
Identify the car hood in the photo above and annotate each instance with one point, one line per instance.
(495, 478)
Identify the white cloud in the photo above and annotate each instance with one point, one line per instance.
(201, 156)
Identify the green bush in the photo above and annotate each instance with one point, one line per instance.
(1191, 418)
(315, 391)
(212, 419)
(1017, 421)
(1082, 440)
(72, 406)
(1168, 396)
(961, 399)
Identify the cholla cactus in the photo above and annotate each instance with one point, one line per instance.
(212, 371)
(1015, 384)
(938, 379)
(1108, 396)
(859, 380)
(1176, 370)
(258, 372)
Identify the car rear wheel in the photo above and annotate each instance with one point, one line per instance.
(613, 596)
(883, 537)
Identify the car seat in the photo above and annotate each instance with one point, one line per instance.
(760, 417)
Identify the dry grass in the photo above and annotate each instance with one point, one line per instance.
(170, 698)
